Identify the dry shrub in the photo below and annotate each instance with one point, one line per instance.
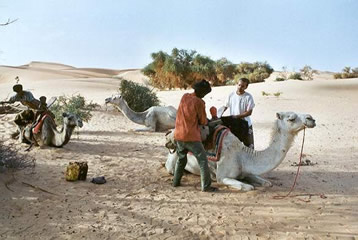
(12, 159)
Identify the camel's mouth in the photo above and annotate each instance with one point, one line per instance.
(80, 124)
(107, 100)
(310, 123)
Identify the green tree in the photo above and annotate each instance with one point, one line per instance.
(154, 69)
(180, 69)
(225, 70)
(347, 70)
(255, 72)
(203, 67)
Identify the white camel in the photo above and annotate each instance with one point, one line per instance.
(156, 118)
(238, 162)
(49, 135)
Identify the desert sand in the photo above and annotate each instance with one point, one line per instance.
(138, 201)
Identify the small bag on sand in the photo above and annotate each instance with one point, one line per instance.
(76, 171)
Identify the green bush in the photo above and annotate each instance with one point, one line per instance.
(74, 104)
(347, 72)
(139, 98)
(337, 76)
(255, 72)
(279, 79)
(265, 93)
(296, 76)
(277, 94)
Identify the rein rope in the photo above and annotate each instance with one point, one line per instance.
(295, 181)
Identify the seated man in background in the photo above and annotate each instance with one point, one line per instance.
(27, 116)
(25, 97)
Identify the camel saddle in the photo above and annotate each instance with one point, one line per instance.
(37, 128)
(217, 132)
(214, 142)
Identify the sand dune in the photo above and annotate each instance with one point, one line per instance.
(41, 78)
(138, 201)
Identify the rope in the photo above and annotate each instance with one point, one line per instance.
(295, 181)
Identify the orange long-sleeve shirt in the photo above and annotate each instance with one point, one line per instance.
(190, 114)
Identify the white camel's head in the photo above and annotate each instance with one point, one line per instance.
(72, 120)
(294, 122)
(116, 100)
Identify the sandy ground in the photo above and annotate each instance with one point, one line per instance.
(138, 202)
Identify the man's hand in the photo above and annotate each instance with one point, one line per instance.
(221, 111)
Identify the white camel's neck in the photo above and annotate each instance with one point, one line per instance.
(62, 137)
(137, 117)
(261, 162)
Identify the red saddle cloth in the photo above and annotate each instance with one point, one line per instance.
(215, 141)
(38, 126)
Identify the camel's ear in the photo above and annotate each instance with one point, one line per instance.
(292, 117)
(279, 116)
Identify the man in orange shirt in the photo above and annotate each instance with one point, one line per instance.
(191, 113)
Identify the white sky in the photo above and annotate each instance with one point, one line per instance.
(122, 34)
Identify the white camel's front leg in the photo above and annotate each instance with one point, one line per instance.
(237, 184)
(259, 180)
(147, 129)
(150, 121)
